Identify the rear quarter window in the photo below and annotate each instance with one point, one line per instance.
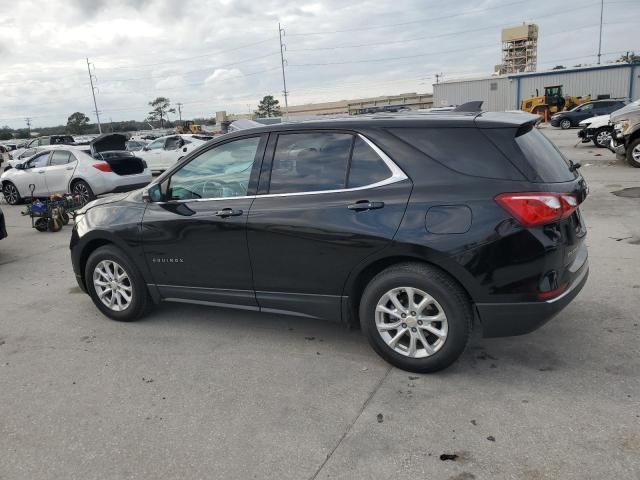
(543, 156)
(465, 150)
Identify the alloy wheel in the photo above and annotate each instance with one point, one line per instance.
(635, 153)
(82, 191)
(112, 285)
(565, 124)
(411, 322)
(603, 138)
(11, 194)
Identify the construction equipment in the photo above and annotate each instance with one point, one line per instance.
(189, 127)
(553, 101)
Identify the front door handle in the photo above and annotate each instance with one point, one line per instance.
(69, 168)
(228, 212)
(362, 205)
(40, 171)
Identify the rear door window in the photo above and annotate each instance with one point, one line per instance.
(59, 157)
(310, 162)
(544, 157)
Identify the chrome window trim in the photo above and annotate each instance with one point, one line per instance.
(397, 175)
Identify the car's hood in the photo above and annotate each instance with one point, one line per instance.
(135, 196)
(599, 120)
(109, 142)
(624, 112)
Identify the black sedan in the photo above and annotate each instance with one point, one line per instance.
(574, 116)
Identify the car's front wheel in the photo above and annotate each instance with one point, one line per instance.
(11, 194)
(565, 123)
(416, 317)
(633, 153)
(115, 285)
(602, 138)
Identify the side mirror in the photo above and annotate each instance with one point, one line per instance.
(145, 148)
(152, 194)
(184, 149)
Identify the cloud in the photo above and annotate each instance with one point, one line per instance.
(223, 54)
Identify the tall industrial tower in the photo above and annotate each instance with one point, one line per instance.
(519, 49)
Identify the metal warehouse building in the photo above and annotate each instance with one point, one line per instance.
(505, 92)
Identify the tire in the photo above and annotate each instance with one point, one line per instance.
(565, 124)
(41, 225)
(11, 194)
(446, 296)
(109, 258)
(602, 137)
(633, 153)
(83, 190)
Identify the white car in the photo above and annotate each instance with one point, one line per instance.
(61, 169)
(165, 152)
(597, 130)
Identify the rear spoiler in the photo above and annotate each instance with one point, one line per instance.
(474, 106)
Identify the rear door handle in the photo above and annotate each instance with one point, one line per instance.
(69, 168)
(228, 212)
(362, 205)
(40, 171)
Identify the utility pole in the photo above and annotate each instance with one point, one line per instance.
(180, 111)
(600, 40)
(93, 92)
(438, 77)
(284, 78)
(28, 120)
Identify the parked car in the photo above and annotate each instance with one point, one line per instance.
(165, 152)
(45, 141)
(21, 158)
(61, 168)
(574, 116)
(408, 225)
(626, 133)
(3, 226)
(597, 130)
(136, 145)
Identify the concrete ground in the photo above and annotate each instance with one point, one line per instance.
(193, 392)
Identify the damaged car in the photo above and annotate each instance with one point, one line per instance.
(625, 139)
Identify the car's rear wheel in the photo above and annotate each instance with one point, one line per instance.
(115, 285)
(602, 138)
(83, 190)
(416, 317)
(565, 123)
(633, 153)
(11, 194)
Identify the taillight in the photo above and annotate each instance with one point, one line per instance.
(538, 208)
(103, 167)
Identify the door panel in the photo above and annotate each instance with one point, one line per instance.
(34, 174)
(195, 240)
(308, 244)
(193, 253)
(60, 170)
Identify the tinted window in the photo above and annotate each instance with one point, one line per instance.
(465, 150)
(366, 166)
(310, 162)
(59, 157)
(223, 171)
(544, 157)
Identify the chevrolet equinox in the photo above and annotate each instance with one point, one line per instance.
(417, 227)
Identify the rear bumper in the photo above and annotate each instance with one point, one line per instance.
(114, 183)
(129, 188)
(509, 319)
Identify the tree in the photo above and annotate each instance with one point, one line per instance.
(269, 107)
(6, 133)
(161, 106)
(77, 122)
(559, 67)
(629, 57)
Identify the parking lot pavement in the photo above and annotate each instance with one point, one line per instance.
(194, 392)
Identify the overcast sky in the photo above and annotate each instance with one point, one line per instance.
(224, 54)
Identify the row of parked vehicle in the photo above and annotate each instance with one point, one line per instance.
(618, 131)
(108, 163)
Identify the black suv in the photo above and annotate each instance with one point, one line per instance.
(415, 227)
(573, 117)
